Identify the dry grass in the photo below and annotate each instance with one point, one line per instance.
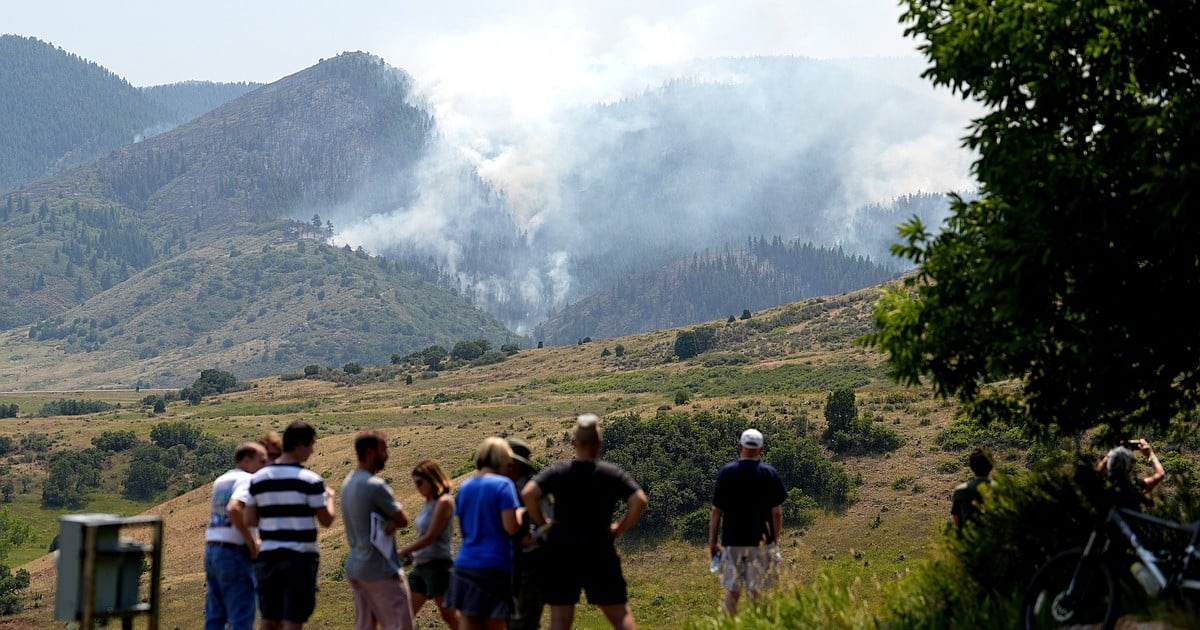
(875, 540)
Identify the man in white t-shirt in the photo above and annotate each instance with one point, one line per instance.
(230, 547)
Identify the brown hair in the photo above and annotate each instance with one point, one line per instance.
(271, 439)
(247, 449)
(366, 441)
(430, 471)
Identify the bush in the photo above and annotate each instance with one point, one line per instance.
(168, 434)
(115, 441)
(64, 407)
(675, 458)
(847, 433)
(489, 358)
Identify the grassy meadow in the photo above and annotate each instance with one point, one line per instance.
(785, 360)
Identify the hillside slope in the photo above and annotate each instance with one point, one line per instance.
(254, 305)
(309, 140)
(58, 110)
(764, 274)
(902, 497)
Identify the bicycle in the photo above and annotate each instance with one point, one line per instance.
(1081, 586)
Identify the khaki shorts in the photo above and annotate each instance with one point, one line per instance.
(749, 568)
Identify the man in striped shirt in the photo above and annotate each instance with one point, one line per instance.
(289, 501)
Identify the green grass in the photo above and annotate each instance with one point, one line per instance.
(723, 380)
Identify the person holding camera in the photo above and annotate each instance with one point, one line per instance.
(1118, 467)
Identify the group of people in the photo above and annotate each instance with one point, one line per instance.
(1116, 470)
(531, 538)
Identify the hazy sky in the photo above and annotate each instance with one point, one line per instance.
(154, 42)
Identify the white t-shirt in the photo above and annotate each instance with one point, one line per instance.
(224, 488)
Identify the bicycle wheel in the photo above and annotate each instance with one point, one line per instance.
(1070, 590)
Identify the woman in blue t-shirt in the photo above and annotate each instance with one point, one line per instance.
(487, 510)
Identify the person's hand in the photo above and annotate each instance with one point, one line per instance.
(1144, 448)
(714, 549)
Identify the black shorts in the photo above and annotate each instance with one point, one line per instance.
(484, 592)
(432, 578)
(287, 585)
(596, 570)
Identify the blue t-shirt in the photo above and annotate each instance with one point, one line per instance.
(478, 505)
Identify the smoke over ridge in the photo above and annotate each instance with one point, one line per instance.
(530, 200)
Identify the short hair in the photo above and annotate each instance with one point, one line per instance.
(368, 440)
(980, 461)
(269, 439)
(429, 470)
(248, 449)
(298, 433)
(1120, 461)
(587, 431)
(493, 453)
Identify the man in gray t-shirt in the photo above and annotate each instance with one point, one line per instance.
(371, 515)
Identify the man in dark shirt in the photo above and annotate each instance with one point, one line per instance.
(748, 497)
(579, 550)
(527, 555)
(967, 502)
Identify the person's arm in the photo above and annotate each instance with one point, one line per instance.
(531, 495)
(326, 513)
(236, 510)
(637, 505)
(714, 524)
(443, 511)
(510, 520)
(777, 521)
(1159, 473)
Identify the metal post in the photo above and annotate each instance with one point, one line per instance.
(89, 576)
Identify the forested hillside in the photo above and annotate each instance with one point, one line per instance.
(58, 110)
(176, 253)
(766, 273)
(306, 141)
(188, 99)
(262, 307)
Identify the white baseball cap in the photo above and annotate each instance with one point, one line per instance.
(751, 438)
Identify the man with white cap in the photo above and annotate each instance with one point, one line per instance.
(748, 497)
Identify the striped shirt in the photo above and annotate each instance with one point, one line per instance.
(287, 497)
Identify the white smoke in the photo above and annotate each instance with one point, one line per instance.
(508, 109)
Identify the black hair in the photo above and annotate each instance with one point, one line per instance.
(298, 433)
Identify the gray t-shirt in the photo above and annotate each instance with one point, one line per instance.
(439, 549)
(364, 494)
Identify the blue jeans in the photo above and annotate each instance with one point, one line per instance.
(230, 599)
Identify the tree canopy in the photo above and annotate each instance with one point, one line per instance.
(1070, 276)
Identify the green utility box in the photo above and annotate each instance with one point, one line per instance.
(100, 571)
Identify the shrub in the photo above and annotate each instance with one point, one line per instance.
(115, 441)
